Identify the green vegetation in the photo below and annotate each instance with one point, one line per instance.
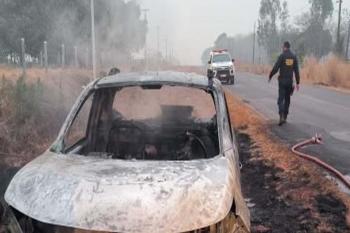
(26, 99)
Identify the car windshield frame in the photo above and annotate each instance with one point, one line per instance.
(58, 146)
(217, 58)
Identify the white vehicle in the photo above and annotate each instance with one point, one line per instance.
(221, 66)
(138, 153)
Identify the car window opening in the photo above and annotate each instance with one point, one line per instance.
(221, 58)
(163, 123)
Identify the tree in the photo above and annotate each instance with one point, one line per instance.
(284, 18)
(314, 39)
(239, 46)
(225, 42)
(119, 26)
(205, 56)
(21, 18)
(320, 10)
(268, 36)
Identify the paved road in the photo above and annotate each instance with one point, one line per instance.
(313, 109)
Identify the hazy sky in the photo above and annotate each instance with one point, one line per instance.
(190, 26)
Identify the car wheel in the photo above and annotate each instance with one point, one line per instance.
(230, 224)
(231, 80)
(209, 73)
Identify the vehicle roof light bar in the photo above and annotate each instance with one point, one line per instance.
(219, 50)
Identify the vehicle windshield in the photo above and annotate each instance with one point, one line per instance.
(147, 123)
(221, 58)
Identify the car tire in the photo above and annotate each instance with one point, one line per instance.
(209, 73)
(232, 80)
(230, 224)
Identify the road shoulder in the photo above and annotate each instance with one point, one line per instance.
(282, 187)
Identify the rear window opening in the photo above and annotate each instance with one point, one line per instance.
(146, 123)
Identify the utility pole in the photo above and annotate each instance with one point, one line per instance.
(45, 56)
(87, 58)
(23, 56)
(338, 31)
(348, 43)
(233, 47)
(254, 35)
(93, 39)
(166, 48)
(158, 52)
(145, 11)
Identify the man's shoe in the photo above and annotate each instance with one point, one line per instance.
(282, 120)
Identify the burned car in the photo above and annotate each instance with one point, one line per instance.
(150, 152)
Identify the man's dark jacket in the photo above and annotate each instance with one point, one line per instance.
(287, 63)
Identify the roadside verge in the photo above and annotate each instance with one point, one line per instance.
(284, 192)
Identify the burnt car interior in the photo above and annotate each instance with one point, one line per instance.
(151, 122)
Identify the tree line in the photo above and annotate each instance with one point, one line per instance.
(312, 33)
(120, 28)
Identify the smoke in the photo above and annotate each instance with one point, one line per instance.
(119, 30)
(240, 47)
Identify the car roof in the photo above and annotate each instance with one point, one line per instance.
(219, 51)
(162, 77)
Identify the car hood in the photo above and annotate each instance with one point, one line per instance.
(223, 64)
(123, 196)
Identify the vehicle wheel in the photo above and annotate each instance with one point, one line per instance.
(209, 73)
(230, 224)
(231, 81)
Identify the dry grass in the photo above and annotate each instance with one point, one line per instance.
(274, 152)
(32, 74)
(331, 71)
(23, 136)
(255, 69)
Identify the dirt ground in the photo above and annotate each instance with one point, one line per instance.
(273, 212)
(284, 193)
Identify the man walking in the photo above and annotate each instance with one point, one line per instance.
(287, 64)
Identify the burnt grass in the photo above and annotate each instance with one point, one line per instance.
(270, 211)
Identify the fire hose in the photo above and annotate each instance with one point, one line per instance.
(316, 141)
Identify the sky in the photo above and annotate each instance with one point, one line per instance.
(190, 26)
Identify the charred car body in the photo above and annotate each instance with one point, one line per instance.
(138, 153)
(221, 66)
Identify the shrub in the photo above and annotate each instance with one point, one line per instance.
(26, 100)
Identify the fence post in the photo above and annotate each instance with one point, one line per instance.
(41, 58)
(76, 56)
(23, 56)
(87, 58)
(63, 56)
(45, 56)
